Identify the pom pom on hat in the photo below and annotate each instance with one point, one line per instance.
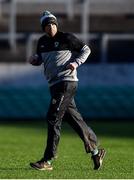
(47, 18)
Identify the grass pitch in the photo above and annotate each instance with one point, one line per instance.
(24, 142)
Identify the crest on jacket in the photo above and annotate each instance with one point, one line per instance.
(56, 44)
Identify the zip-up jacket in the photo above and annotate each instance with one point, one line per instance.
(59, 51)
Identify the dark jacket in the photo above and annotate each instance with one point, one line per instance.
(57, 52)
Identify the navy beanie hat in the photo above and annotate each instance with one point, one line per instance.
(47, 18)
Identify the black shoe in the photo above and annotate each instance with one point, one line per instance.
(98, 158)
(41, 165)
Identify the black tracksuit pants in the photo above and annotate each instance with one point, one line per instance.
(62, 101)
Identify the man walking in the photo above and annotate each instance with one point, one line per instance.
(61, 54)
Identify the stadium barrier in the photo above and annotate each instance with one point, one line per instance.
(105, 91)
(93, 102)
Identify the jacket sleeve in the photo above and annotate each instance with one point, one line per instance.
(83, 55)
(83, 51)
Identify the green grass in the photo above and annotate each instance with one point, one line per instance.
(23, 142)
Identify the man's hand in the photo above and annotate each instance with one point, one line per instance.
(72, 66)
(34, 60)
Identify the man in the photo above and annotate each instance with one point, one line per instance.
(61, 54)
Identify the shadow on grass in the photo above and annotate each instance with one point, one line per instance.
(115, 128)
(11, 169)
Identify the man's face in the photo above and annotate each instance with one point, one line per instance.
(51, 29)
